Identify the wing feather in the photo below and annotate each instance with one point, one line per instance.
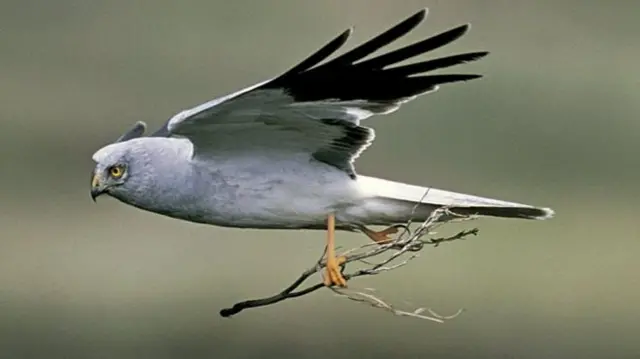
(354, 140)
(134, 132)
(319, 55)
(379, 41)
(415, 49)
(315, 108)
(435, 64)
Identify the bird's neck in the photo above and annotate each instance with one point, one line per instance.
(167, 184)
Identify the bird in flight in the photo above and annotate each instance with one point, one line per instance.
(280, 154)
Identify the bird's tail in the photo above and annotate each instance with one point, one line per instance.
(391, 202)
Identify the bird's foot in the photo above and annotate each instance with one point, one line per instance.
(333, 273)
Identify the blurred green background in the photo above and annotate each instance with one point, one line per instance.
(553, 123)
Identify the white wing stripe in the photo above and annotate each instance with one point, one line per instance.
(176, 120)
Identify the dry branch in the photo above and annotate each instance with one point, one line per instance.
(404, 248)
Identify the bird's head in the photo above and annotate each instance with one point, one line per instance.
(117, 164)
(137, 170)
(112, 174)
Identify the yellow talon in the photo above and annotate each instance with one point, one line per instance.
(333, 274)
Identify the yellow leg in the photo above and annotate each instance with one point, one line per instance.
(333, 276)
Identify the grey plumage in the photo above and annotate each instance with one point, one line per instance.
(134, 132)
(280, 154)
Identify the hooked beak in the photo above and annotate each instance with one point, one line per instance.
(96, 188)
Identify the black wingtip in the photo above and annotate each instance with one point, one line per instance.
(383, 39)
(455, 33)
(468, 57)
(480, 54)
(342, 38)
(449, 78)
(420, 15)
(413, 20)
(346, 34)
(320, 55)
(352, 76)
(421, 84)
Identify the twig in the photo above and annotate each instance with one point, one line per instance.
(408, 244)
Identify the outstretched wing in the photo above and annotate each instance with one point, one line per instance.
(315, 109)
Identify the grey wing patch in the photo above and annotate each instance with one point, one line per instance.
(162, 131)
(342, 151)
(134, 132)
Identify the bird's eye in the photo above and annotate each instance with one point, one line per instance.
(116, 171)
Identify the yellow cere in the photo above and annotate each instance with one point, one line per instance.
(95, 181)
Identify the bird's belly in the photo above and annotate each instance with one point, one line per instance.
(279, 201)
(278, 209)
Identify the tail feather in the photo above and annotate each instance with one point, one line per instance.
(394, 202)
(525, 212)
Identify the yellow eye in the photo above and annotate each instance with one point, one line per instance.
(116, 171)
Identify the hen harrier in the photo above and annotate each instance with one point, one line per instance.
(280, 154)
